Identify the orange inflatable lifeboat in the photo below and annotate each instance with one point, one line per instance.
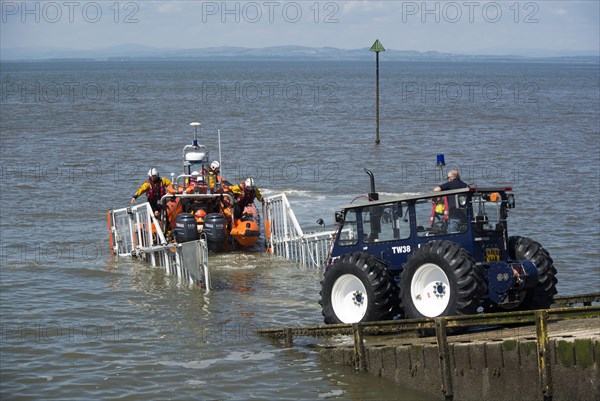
(245, 230)
(204, 194)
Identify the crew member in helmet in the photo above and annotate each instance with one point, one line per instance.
(155, 188)
(196, 183)
(245, 194)
(194, 177)
(200, 185)
(213, 174)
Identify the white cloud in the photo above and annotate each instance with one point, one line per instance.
(361, 5)
(169, 6)
(558, 11)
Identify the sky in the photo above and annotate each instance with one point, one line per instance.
(444, 26)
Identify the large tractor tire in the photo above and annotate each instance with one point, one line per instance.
(542, 295)
(440, 279)
(358, 288)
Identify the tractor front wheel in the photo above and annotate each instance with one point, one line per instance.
(440, 278)
(358, 288)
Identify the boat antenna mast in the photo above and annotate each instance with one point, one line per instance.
(190, 159)
(196, 126)
(220, 160)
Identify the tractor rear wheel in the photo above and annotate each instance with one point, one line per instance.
(358, 288)
(542, 296)
(440, 278)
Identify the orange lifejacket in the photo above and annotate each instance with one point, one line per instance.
(156, 192)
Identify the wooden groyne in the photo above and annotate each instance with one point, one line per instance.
(550, 355)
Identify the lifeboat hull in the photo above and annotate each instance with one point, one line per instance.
(245, 230)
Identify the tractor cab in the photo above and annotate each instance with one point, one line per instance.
(432, 254)
(393, 229)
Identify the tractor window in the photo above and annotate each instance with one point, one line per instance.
(349, 233)
(435, 218)
(385, 223)
(486, 211)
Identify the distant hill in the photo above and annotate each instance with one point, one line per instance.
(139, 52)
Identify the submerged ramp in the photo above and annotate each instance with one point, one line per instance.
(135, 232)
(285, 238)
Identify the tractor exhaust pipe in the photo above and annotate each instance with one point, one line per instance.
(373, 196)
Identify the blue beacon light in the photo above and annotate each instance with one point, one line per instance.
(440, 160)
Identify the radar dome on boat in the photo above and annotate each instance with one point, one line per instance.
(196, 157)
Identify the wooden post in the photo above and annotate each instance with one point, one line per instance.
(289, 339)
(444, 357)
(359, 347)
(543, 354)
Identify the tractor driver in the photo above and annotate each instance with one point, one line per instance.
(455, 215)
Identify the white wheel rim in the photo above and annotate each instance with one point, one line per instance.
(349, 299)
(430, 290)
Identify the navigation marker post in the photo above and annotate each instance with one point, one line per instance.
(377, 47)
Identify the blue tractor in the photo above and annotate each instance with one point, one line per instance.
(398, 259)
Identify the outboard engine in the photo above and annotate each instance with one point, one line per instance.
(214, 228)
(185, 228)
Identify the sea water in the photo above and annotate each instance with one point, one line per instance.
(77, 138)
